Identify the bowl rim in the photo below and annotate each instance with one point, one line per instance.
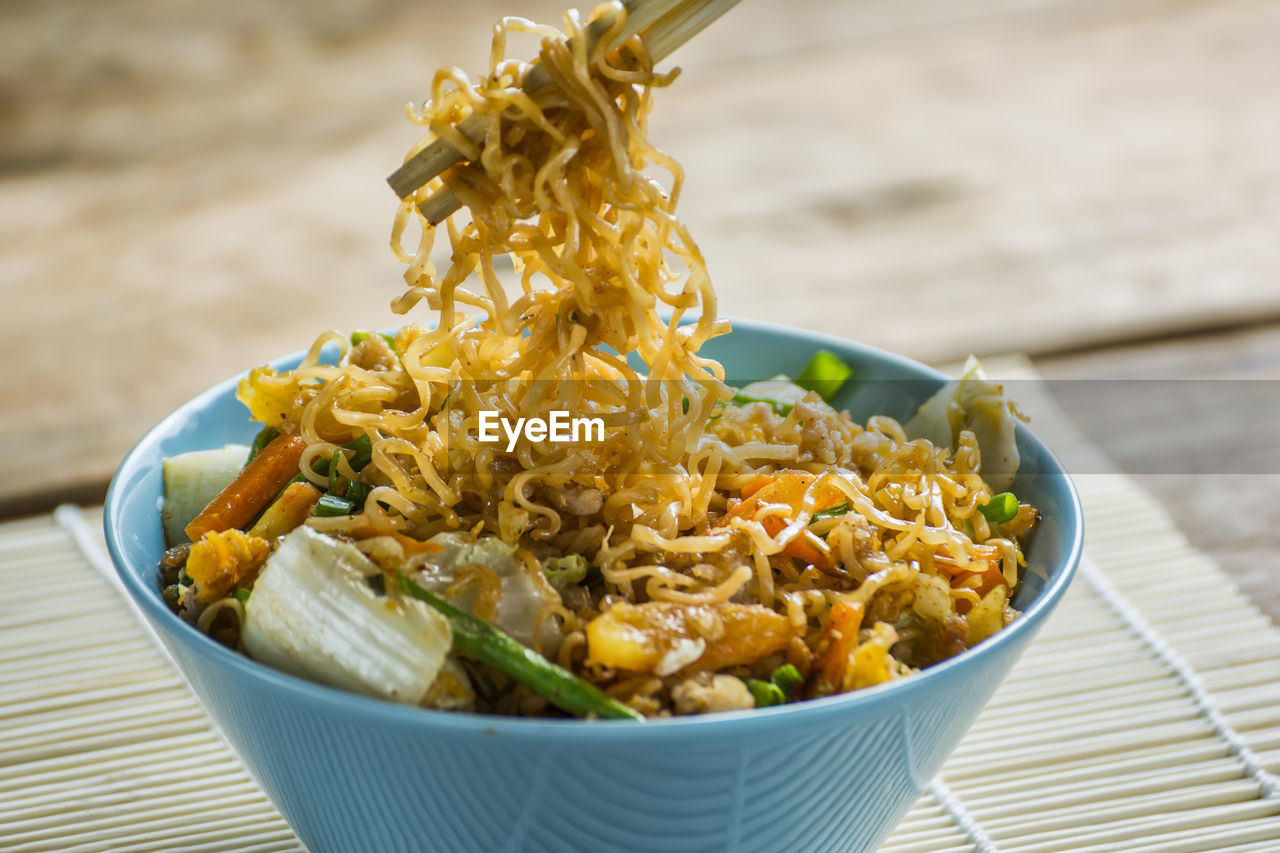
(155, 611)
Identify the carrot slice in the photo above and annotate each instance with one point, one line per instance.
(252, 489)
(788, 487)
(984, 562)
(805, 546)
(841, 631)
(756, 485)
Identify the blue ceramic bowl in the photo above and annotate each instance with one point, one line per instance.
(356, 774)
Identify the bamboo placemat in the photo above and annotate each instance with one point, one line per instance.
(1146, 716)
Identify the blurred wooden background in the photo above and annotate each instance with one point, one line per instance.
(190, 188)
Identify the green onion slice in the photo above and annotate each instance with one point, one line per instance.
(787, 679)
(833, 511)
(357, 493)
(766, 693)
(361, 451)
(1001, 508)
(331, 505)
(825, 373)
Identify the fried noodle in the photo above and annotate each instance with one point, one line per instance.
(689, 501)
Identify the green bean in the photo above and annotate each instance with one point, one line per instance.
(481, 641)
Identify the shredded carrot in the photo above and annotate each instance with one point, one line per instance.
(806, 546)
(788, 487)
(841, 635)
(252, 489)
(988, 579)
(984, 564)
(756, 485)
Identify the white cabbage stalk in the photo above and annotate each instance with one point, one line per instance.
(314, 613)
(521, 600)
(972, 403)
(193, 479)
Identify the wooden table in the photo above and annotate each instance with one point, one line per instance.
(190, 188)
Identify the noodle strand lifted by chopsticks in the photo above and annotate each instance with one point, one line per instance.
(732, 537)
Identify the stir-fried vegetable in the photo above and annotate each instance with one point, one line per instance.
(345, 614)
(765, 693)
(833, 511)
(564, 572)
(841, 634)
(988, 615)
(788, 679)
(972, 403)
(780, 394)
(825, 373)
(484, 578)
(481, 641)
(332, 505)
(848, 664)
(193, 479)
(662, 637)
(1001, 508)
(252, 489)
(344, 495)
(312, 612)
(789, 487)
(361, 452)
(287, 512)
(223, 560)
(981, 575)
(265, 436)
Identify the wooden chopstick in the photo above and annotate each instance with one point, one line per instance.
(663, 24)
(440, 155)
